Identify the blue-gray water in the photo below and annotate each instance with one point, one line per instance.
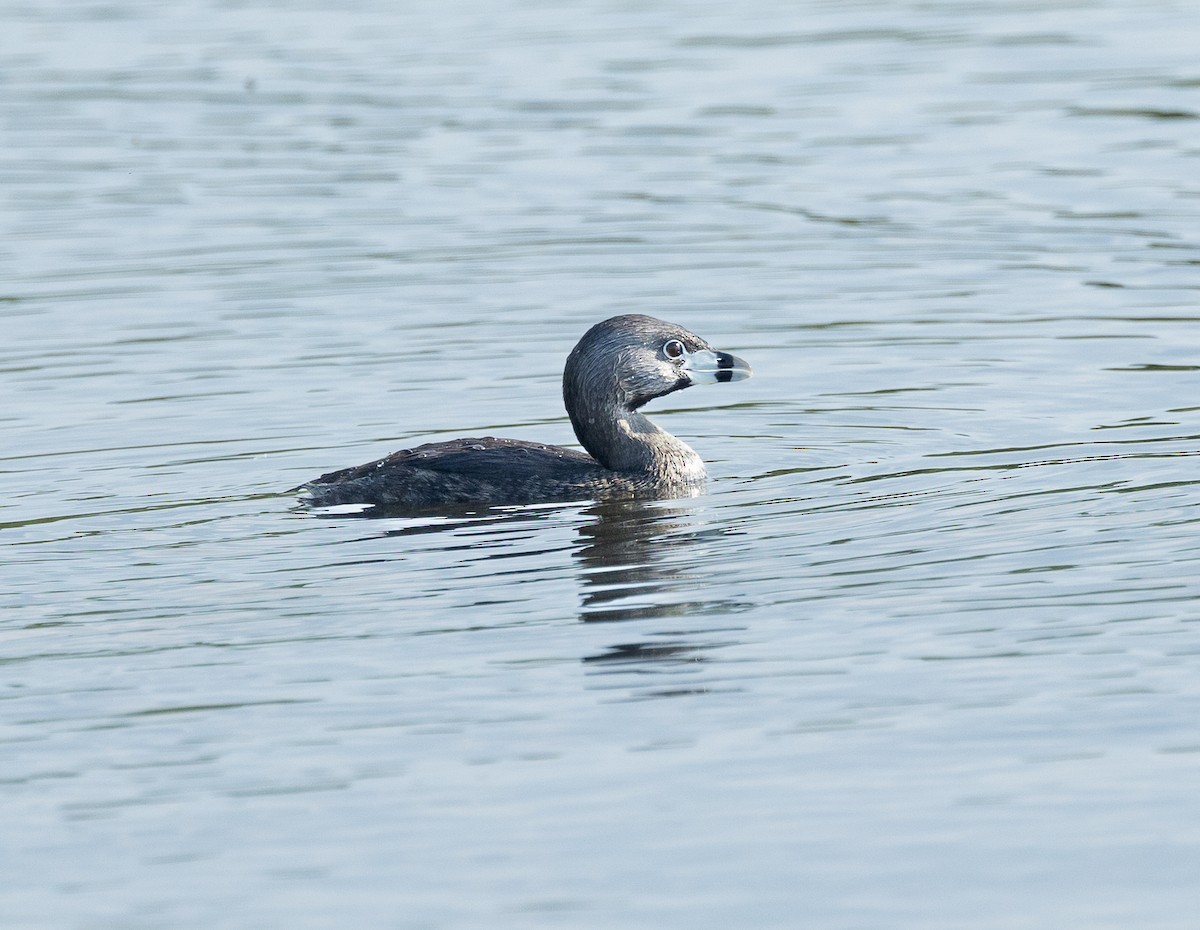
(924, 657)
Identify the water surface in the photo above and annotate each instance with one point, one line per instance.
(923, 657)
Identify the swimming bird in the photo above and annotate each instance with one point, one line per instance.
(616, 369)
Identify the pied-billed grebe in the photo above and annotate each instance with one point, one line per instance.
(617, 367)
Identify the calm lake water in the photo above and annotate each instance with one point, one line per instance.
(925, 656)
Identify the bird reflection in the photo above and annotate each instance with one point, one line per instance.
(639, 561)
(635, 556)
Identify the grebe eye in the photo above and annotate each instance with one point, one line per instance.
(673, 349)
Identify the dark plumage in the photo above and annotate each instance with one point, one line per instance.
(617, 367)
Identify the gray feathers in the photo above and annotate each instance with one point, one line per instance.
(617, 367)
